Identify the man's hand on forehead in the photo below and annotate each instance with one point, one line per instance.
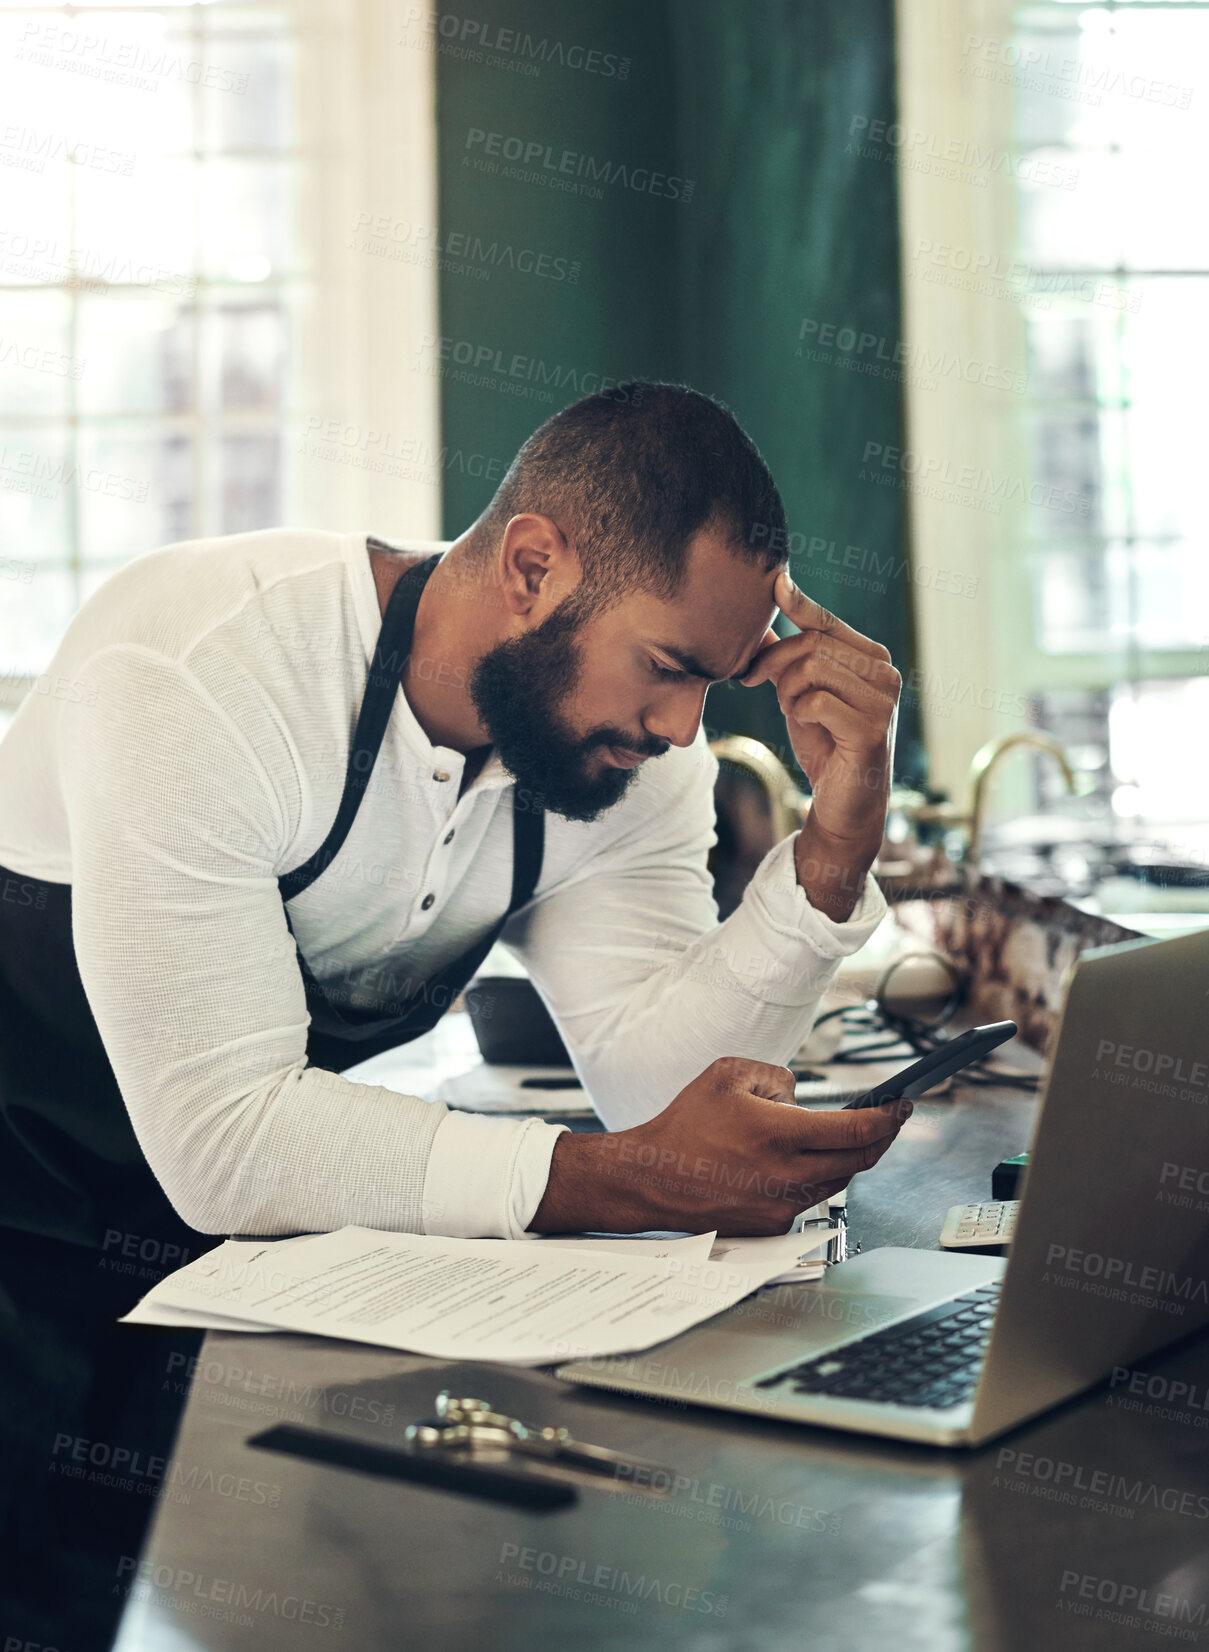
(838, 692)
(810, 617)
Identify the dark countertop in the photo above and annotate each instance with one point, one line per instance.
(779, 1536)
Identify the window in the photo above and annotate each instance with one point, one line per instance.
(1080, 263)
(196, 337)
(1118, 293)
(146, 265)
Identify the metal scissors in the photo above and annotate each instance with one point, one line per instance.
(471, 1426)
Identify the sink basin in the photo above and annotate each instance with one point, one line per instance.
(1104, 866)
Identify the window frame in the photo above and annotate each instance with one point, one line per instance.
(364, 141)
(978, 671)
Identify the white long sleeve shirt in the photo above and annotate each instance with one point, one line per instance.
(187, 745)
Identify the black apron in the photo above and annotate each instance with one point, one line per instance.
(85, 1229)
(70, 1164)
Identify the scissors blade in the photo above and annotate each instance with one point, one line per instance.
(635, 1473)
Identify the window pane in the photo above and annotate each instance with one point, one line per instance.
(33, 617)
(1152, 596)
(248, 219)
(1168, 604)
(37, 369)
(245, 17)
(144, 237)
(136, 493)
(1068, 473)
(245, 104)
(1165, 349)
(35, 229)
(1069, 357)
(1078, 720)
(1148, 727)
(251, 483)
(1043, 66)
(1070, 228)
(148, 189)
(244, 354)
(1071, 594)
(36, 490)
(138, 354)
(1105, 77)
(111, 90)
(1126, 210)
(1166, 477)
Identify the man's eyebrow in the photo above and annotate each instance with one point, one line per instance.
(693, 665)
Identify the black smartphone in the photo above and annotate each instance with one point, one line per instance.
(930, 1069)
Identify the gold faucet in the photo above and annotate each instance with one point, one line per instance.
(787, 803)
(985, 759)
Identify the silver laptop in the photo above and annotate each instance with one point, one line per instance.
(1110, 1258)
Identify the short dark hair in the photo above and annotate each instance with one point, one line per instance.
(631, 474)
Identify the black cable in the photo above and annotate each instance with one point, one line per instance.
(892, 1034)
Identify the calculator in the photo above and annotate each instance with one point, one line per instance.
(970, 1227)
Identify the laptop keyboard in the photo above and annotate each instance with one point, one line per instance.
(932, 1360)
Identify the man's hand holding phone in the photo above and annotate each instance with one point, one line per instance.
(733, 1152)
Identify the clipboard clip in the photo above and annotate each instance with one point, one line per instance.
(839, 1247)
(469, 1427)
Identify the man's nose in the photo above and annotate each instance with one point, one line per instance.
(677, 718)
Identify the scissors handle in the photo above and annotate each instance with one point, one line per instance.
(463, 1424)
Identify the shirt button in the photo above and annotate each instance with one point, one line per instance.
(427, 901)
(448, 838)
(440, 775)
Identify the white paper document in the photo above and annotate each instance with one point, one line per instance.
(517, 1301)
(153, 1310)
(797, 1270)
(688, 1246)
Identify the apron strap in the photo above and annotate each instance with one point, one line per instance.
(385, 676)
(528, 845)
(340, 1036)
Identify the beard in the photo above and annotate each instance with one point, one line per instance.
(517, 688)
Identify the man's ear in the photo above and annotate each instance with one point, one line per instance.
(537, 563)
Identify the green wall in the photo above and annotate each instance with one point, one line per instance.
(752, 104)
